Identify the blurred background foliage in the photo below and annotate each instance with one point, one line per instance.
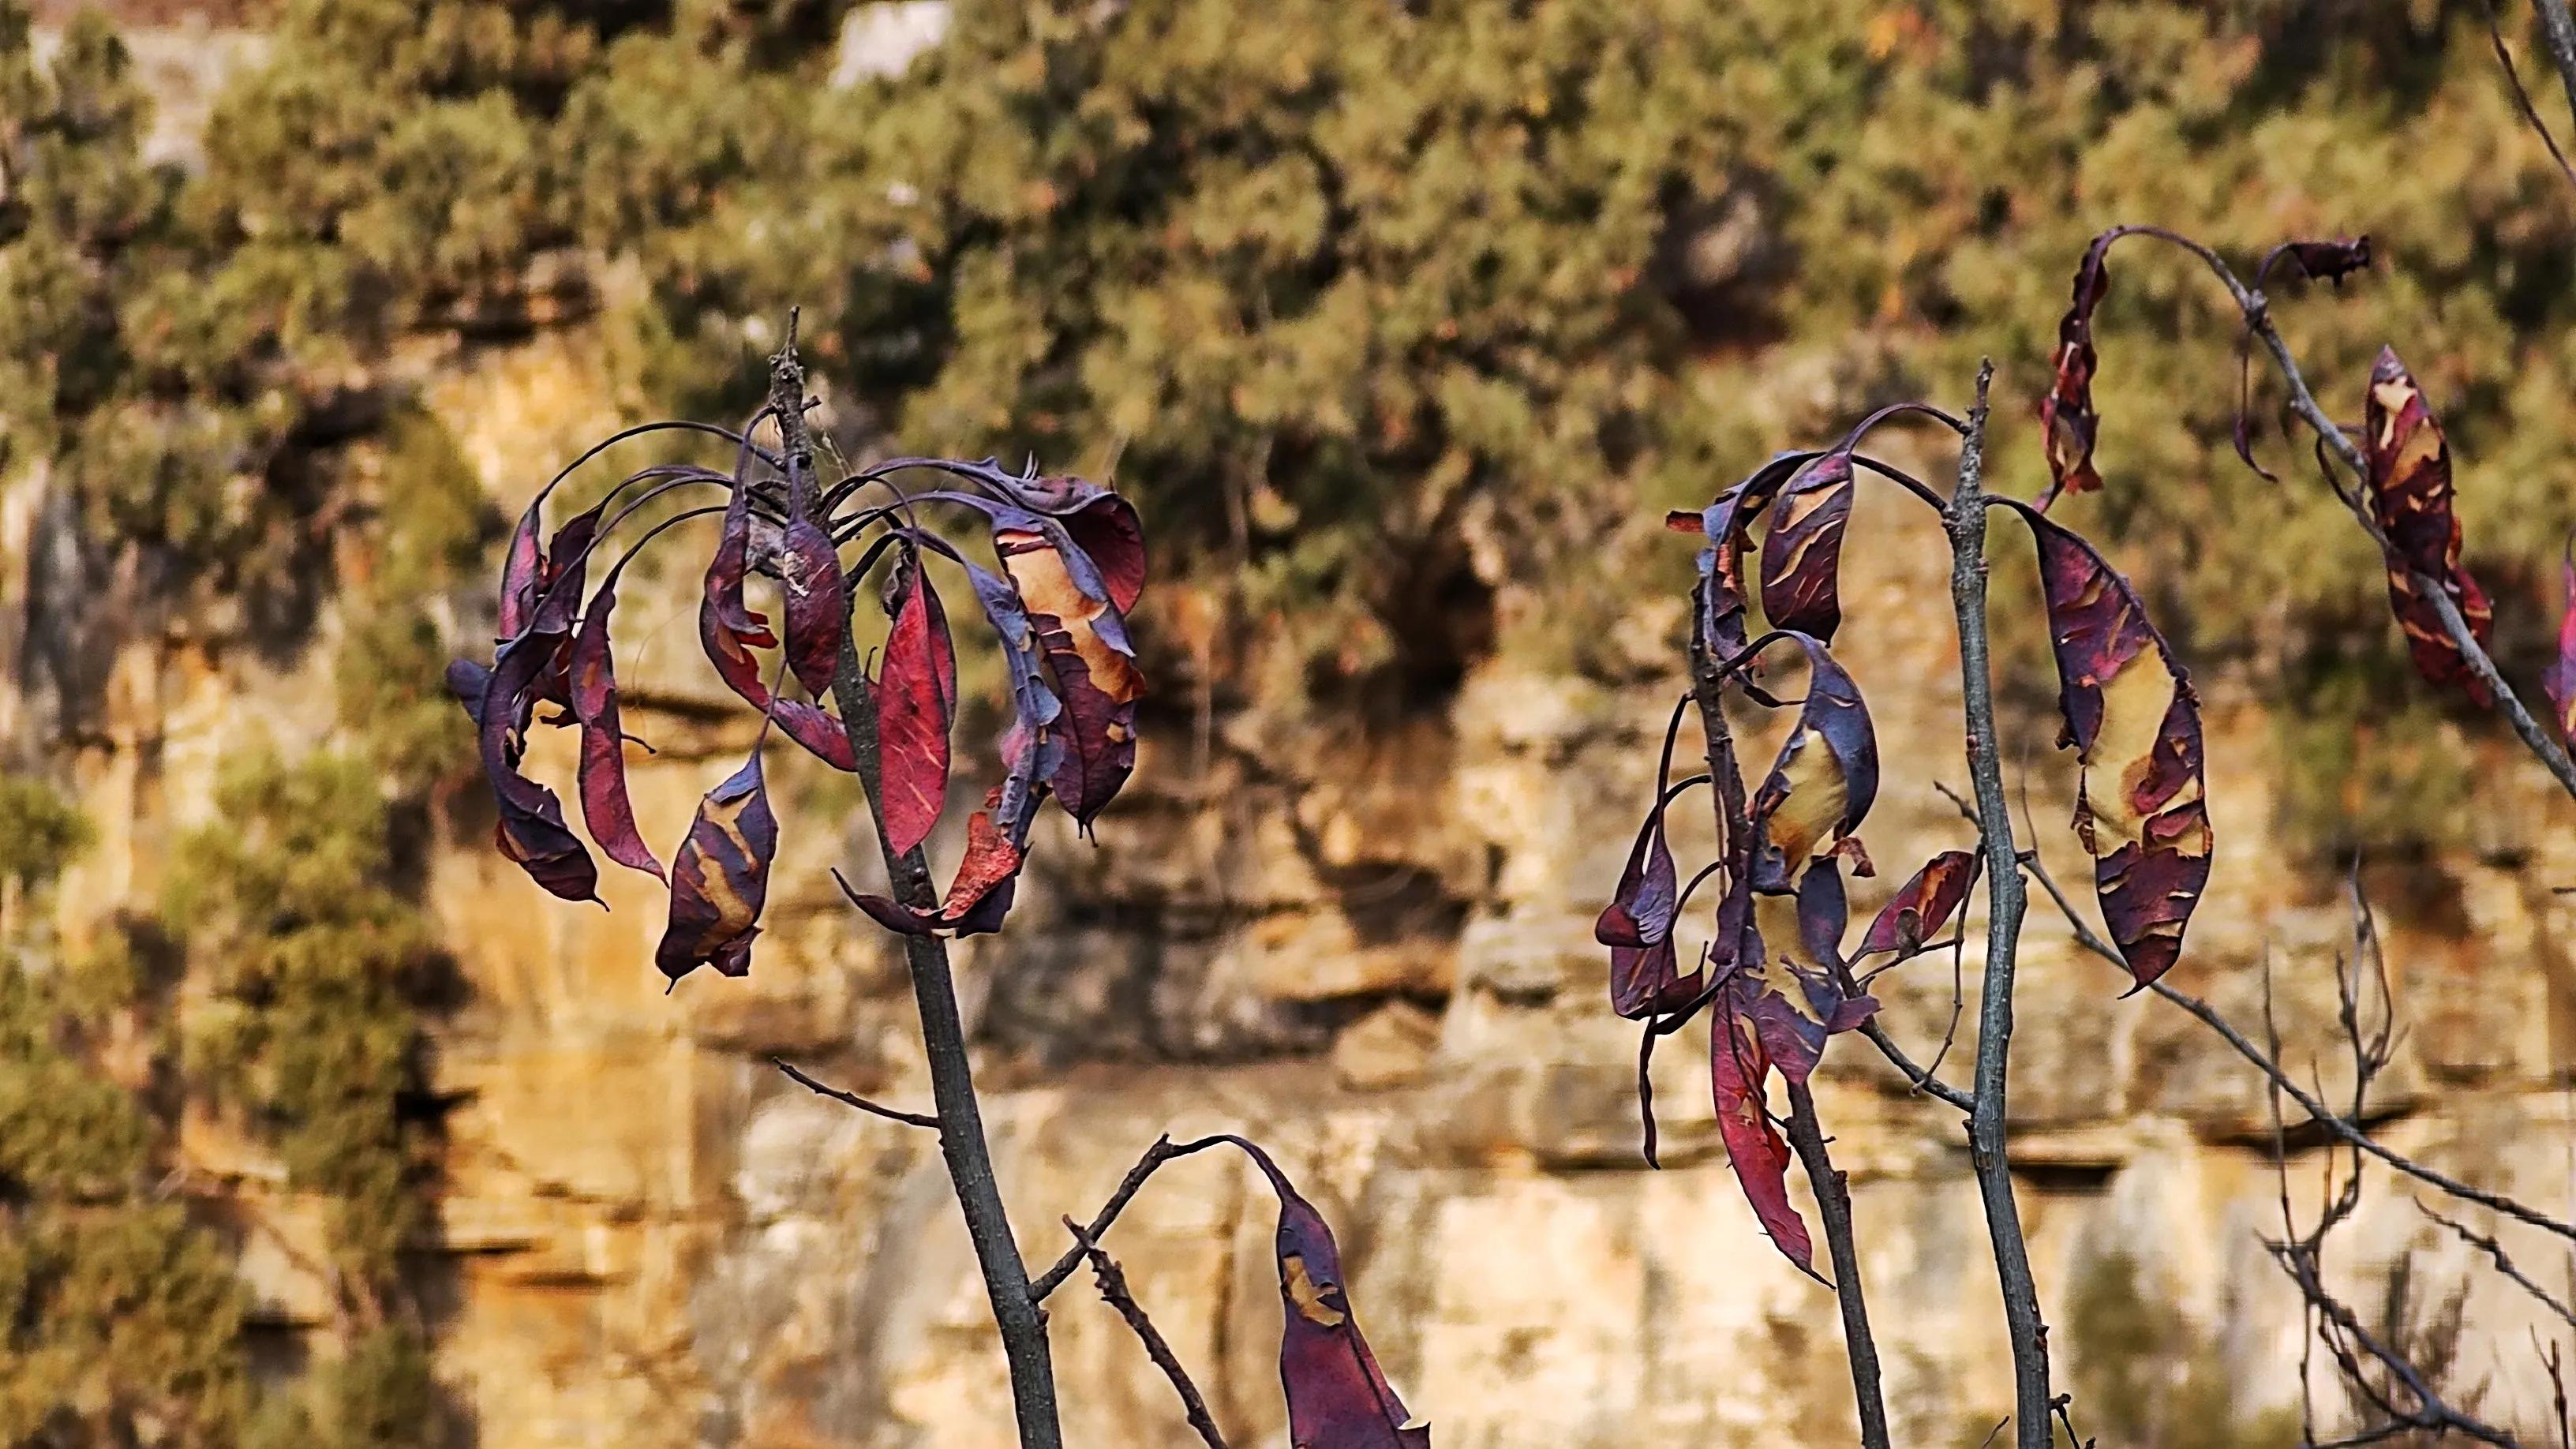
(1404, 322)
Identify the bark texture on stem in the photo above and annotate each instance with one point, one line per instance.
(2558, 36)
(1833, 1204)
(1965, 521)
(943, 1031)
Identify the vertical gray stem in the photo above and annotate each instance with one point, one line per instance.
(1833, 1204)
(1965, 520)
(2558, 35)
(943, 1032)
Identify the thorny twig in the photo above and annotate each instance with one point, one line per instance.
(1113, 1289)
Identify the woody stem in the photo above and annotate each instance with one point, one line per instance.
(943, 1030)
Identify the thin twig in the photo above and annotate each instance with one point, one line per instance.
(853, 1099)
(2495, 1253)
(2522, 97)
(1163, 1150)
(1922, 1077)
(2431, 1412)
(1113, 1288)
(2352, 1133)
(1965, 521)
(2063, 1404)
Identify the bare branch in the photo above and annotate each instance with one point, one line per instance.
(1965, 521)
(2352, 1133)
(2332, 438)
(2430, 1411)
(1833, 1204)
(1113, 1289)
(2495, 1253)
(853, 1099)
(2522, 97)
(1163, 1150)
(1922, 1078)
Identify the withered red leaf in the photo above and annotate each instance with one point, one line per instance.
(729, 631)
(2560, 681)
(979, 896)
(1637, 924)
(1738, 1069)
(1338, 1398)
(531, 829)
(605, 806)
(1802, 553)
(2066, 415)
(916, 706)
(2134, 720)
(2409, 483)
(1085, 642)
(809, 576)
(720, 878)
(1922, 906)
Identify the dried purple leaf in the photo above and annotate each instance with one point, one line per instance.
(2133, 718)
(1338, 1398)
(1802, 554)
(1922, 906)
(720, 878)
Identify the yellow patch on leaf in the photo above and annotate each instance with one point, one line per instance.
(1307, 1294)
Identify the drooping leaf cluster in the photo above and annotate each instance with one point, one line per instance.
(1071, 563)
(1772, 967)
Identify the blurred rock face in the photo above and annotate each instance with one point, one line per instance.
(1371, 950)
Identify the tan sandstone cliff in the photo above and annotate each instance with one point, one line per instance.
(1372, 951)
